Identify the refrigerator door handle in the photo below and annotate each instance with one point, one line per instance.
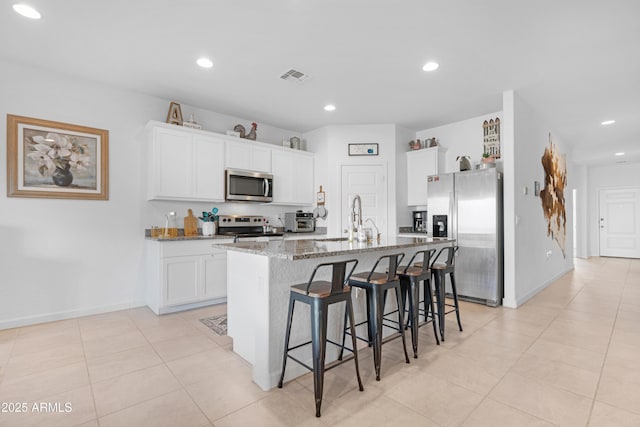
(453, 200)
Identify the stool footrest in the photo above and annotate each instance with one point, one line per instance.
(328, 366)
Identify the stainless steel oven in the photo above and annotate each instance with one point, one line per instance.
(248, 186)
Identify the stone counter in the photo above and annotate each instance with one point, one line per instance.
(317, 248)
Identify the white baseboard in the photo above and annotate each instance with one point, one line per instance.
(183, 307)
(62, 315)
(519, 301)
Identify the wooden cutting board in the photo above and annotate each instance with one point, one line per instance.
(190, 224)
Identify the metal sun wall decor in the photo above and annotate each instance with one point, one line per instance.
(491, 140)
(552, 195)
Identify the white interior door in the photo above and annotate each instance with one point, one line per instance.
(370, 183)
(620, 223)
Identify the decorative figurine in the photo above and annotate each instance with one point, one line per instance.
(465, 164)
(415, 145)
(252, 133)
(240, 129)
(174, 116)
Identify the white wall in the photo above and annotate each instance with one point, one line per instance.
(533, 270)
(331, 147)
(606, 177)
(62, 258)
(462, 138)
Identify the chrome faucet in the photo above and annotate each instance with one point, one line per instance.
(356, 226)
(356, 198)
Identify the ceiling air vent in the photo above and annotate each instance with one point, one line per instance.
(293, 75)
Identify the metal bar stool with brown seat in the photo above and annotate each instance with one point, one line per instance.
(440, 270)
(319, 295)
(376, 286)
(410, 277)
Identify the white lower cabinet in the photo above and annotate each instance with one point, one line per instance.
(185, 274)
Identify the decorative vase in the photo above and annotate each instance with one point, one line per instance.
(62, 177)
(208, 228)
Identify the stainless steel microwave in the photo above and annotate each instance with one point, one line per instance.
(248, 186)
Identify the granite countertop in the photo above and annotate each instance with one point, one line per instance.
(315, 248)
(321, 231)
(182, 238)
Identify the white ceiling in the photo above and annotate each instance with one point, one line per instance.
(576, 62)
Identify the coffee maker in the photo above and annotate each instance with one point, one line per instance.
(419, 221)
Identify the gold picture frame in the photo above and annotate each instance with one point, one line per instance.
(47, 159)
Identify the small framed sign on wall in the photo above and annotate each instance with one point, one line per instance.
(363, 149)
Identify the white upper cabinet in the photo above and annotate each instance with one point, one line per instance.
(189, 164)
(184, 165)
(293, 174)
(421, 164)
(247, 156)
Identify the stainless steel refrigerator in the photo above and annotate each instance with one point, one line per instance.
(472, 201)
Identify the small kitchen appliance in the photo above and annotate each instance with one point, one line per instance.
(299, 222)
(419, 221)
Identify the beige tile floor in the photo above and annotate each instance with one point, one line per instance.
(569, 356)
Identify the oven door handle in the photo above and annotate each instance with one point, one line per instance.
(265, 186)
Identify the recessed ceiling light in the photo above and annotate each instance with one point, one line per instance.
(329, 107)
(620, 154)
(204, 62)
(430, 66)
(608, 122)
(26, 11)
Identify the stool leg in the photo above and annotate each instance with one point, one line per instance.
(319, 346)
(428, 297)
(353, 341)
(400, 322)
(375, 323)
(455, 299)
(439, 285)
(404, 286)
(344, 329)
(286, 340)
(414, 291)
(370, 329)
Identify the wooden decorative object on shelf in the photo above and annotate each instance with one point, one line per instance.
(174, 116)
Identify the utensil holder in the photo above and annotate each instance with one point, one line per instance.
(208, 228)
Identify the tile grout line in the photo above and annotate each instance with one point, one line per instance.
(593, 402)
(86, 366)
(486, 396)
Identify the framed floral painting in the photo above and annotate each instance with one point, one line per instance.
(56, 160)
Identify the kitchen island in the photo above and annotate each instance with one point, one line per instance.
(259, 275)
